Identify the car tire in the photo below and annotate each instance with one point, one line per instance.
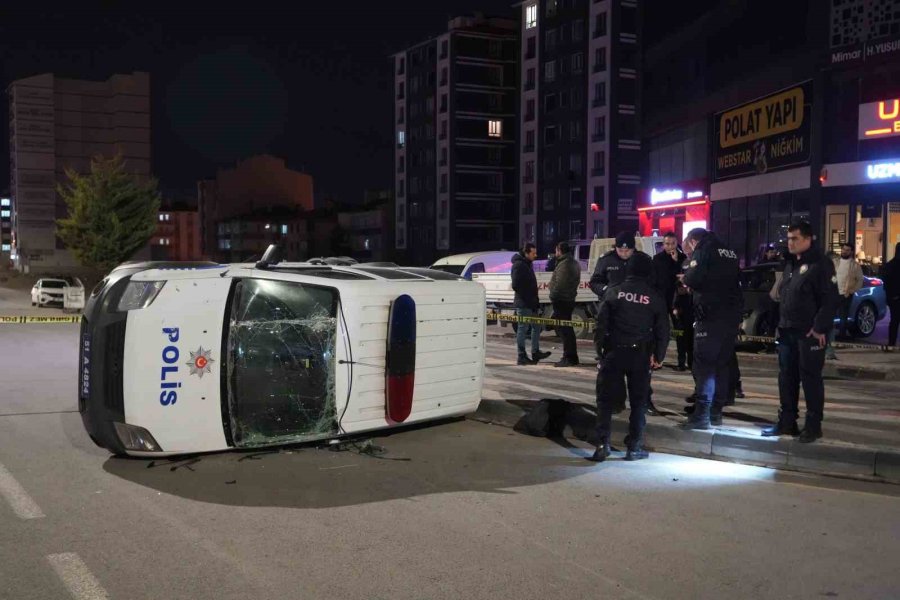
(865, 319)
(583, 332)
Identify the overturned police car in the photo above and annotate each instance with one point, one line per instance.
(180, 358)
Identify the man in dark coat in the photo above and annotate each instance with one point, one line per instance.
(524, 284)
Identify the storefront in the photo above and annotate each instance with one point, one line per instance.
(863, 205)
(761, 173)
(679, 207)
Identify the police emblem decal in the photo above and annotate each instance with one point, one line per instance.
(200, 361)
(693, 264)
(804, 269)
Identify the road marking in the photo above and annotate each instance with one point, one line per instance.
(18, 498)
(77, 577)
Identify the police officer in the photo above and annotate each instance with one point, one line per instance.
(610, 269)
(713, 275)
(634, 334)
(809, 300)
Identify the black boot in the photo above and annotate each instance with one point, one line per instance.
(699, 418)
(602, 451)
(782, 427)
(715, 417)
(636, 452)
(524, 360)
(536, 356)
(811, 432)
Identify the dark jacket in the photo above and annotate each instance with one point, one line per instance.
(890, 274)
(609, 271)
(524, 283)
(633, 313)
(665, 275)
(713, 274)
(565, 280)
(808, 293)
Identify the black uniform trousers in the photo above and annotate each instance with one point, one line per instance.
(684, 341)
(800, 361)
(713, 352)
(894, 305)
(562, 310)
(620, 364)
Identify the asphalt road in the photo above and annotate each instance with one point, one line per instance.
(457, 510)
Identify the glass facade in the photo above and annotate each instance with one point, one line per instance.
(748, 225)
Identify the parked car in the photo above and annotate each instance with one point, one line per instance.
(761, 313)
(65, 292)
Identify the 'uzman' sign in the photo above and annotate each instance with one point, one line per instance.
(879, 119)
(765, 135)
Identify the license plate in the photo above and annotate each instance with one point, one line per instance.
(84, 385)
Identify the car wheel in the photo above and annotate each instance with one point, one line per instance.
(865, 319)
(583, 331)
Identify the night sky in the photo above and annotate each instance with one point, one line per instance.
(313, 85)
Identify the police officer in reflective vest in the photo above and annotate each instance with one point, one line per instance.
(809, 299)
(633, 334)
(713, 275)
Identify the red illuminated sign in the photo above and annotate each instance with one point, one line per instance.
(879, 119)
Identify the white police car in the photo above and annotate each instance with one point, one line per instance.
(195, 357)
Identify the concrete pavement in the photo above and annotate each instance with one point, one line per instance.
(457, 510)
(862, 418)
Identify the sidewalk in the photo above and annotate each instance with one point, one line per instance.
(862, 426)
(854, 363)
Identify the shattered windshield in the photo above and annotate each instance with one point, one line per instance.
(281, 340)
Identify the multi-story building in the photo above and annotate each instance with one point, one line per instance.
(57, 124)
(5, 230)
(580, 143)
(455, 133)
(256, 185)
(367, 229)
(761, 112)
(177, 235)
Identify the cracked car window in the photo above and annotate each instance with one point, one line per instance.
(281, 342)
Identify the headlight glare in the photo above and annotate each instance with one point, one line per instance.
(136, 438)
(139, 294)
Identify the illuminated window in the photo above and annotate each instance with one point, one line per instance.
(401, 138)
(283, 229)
(4, 201)
(495, 128)
(531, 16)
(4, 213)
(5, 247)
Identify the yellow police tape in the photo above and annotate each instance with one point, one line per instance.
(19, 319)
(590, 325)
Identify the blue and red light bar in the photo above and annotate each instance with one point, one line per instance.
(400, 360)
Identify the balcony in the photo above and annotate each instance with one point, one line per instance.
(598, 102)
(528, 179)
(529, 117)
(598, 137)
(530, 85)
(528, 148)
(599, 67)
(598, 172)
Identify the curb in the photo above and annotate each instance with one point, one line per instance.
(852, 461)
(832, 370)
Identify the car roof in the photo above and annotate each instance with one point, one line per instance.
(463, 259)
